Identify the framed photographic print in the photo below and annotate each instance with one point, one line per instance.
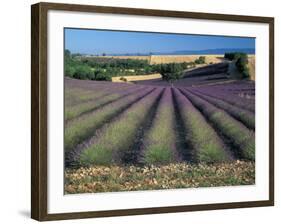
(139, 111)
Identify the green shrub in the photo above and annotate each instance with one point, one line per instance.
(67, 54)
(102, 76)
(242, 66)
(123, 79)
(170, 72)
(241, 62)
(234, 55)
(83, 72)
(200, 60)
(69, 71)
(192, 64)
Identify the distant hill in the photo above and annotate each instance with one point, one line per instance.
(217, 51)
(193, 52)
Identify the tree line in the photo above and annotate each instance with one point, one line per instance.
(104, 68)
(241, 62)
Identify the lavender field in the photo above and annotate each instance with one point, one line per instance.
(198, 132)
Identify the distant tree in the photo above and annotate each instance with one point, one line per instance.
(103, 54)
(102, 76)
(200, 60)
(170, 72)
(242, 66)
(104, 68)
(67, 53)
(234, 55)
(69, 70)
(123, 79)
(83, 72)
(184, 65)
(76, 55)
(241, 62)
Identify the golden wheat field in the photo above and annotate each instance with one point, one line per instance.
(160, 59)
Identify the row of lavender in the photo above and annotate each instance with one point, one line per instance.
(106, 124)
(240, 94)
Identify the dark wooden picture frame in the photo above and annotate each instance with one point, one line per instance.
(39, 106)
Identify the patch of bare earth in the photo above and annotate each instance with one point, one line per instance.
(180, 175)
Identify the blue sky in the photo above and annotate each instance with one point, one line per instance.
(120, 42)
